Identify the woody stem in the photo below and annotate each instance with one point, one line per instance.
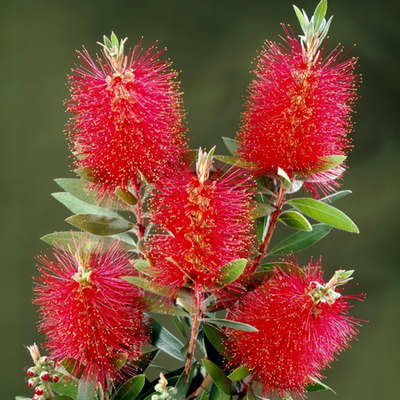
(194, 333)
(271, 227)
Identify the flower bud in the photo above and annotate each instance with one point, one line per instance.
(39, 390)
(55, 378)
(32, 382)
(31, 372)
(44, 376)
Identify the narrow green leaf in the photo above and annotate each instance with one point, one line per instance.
(231, 145)
(99, 224)
(262, 210)
(181, 387)
(157, 307)
(147, 285)
(286, 182)
(23, 398)
(329, 163)
(317, 386)
(231, 324)
(77, 188)
(219, 378)
(86, 389)
(324, 213)
(231, 271)
(295, 220)
(319, 13)
(126, 196)
(131, 389)
(66, 240)
(238, 162)
(301, 19)
(216, 337)
(335, 196)
(288, 267)
(301, 240)
(239, 373)
(80, 207)
(141, 265)
(166, 341)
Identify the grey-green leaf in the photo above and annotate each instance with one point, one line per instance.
(230, 272)
(232, 160)
(324, 213)
(317, 386)
(301, 19)
(99, 224)
(335, 196)
(80, 207)
(166, 341)
(231, 145)
(66, 386)
(86, 389)
(66, 240)
(301, 240)
(262, 210)
(295, 220)
(231, 324)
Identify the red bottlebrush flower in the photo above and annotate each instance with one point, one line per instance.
(89, 313)
(129, 119)
(298, 113)
(302, 323)
(203, 223)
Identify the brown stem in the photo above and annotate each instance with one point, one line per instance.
(272, 223)
(193, 337)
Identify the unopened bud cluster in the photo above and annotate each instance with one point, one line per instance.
(164, 392)
(41, 374)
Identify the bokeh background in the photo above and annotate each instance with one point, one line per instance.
(214, 44)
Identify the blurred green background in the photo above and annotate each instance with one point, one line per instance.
(214, 44)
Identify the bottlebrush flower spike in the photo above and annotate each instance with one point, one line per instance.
(302, 324)
(89, 313)
(203, 222)
(129, 118)
(298, 109)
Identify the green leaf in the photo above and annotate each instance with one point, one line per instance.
(157, 307)
(301, 240)
(166, 341)
(23, 398)
(66, 240)
(231, 324)
(216, 337)
(231, 145)
(147, 285)
(295, 220)
(301, 19)
(324, 213)
(80, 207)
(288, 267)
(319, 13)
(317, 386)
(77, 188)
(131, 389)
(335, 196)
(262, 209)
(99, 224)
(142, 266)
(181, 387)
(250, 394)
(286, 182)
(126, 196)
(86, 389)
(219, 378)
(232, 160)
(66, 386)
(231, 271)
(239, 373)
(328, 163)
